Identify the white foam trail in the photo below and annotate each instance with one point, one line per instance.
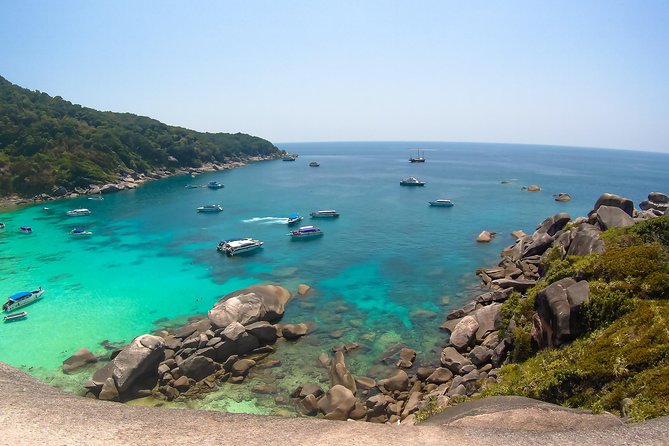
(267, 220)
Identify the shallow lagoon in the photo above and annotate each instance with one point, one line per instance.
(386, 272)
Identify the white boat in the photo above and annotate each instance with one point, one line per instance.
(21, 299)
(412, 181)
(441, 202)
(96, 198)
(78, 212)
(16, 316)
(210, 208)
(26, 229)
(306, 232)
(80, 232)
(290, 157)
(2, 225)
(293, 219)
(238, 246)
(330, 213)
(417, 159)
(214, 185)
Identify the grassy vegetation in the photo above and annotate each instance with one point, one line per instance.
(46, 141)
(625, 353)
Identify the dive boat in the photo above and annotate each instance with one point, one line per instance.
(214, 185)
(330, 213)
(306, 232)
(314, 164)
(16, 316)
(80, 231)
(26, 229)
(21, 299)
(210, 208)
(293, 219)
(238, 246)
(442, 203)
(412, 181)
(78, 212)
(417, 159)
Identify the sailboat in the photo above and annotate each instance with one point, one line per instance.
(417, 159)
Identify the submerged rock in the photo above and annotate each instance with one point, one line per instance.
(79, 359)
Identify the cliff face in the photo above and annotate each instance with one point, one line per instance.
(47, 141)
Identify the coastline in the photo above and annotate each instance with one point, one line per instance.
(127, 180)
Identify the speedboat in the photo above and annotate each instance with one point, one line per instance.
(293, 219)
(2, 225)
(191, 186)
(78, 212)
(330, 213)
(21, 299)
(214, 185)
(412, 181)
(26, 229)
(306, 232)
(238, 246)
(417, 159)
(80, 231)
(210, 208)
(442, 203)
(96, 198)
(314, 164)
(16, 316)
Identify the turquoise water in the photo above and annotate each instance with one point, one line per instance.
(386, 272)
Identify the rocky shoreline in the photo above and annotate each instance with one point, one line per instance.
(239, 332)
(128, 179)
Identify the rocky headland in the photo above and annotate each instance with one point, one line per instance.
(128, 179)
(479, 338)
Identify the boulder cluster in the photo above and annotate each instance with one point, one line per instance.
(238, 332)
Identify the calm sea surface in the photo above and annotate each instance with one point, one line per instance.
(385, 273)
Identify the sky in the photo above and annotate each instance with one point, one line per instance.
(570, 72)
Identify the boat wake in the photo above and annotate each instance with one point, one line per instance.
(267, 220)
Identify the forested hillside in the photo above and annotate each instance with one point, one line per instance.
(47, 141)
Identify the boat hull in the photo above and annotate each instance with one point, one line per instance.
(16, 317)
(402, 183)
(440, 204)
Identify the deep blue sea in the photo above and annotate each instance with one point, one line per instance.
(385, 273)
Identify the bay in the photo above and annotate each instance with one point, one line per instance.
(385, 273)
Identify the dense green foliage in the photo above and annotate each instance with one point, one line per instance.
(46, 141)
(625, 352)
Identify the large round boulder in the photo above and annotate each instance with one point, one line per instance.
(613, 217)
(139, 358)
(337, 403)
(615, 201)
(79, 359)
(464, 334)
(252, 304)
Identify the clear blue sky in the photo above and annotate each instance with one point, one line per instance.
(584, 73)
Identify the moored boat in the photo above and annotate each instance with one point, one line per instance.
(238, 246)
(441, 202)
(78, 212)
(330, 213)
(412, 181)
(2, 225)
(96, 198)
(210, 208)
(306, 232)
(21, 299)
(80, 231)
(417, 159)
(26, 229)
(290, 157)
(214, 185)
(16, 316)
(294, 219)
(314, 164)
